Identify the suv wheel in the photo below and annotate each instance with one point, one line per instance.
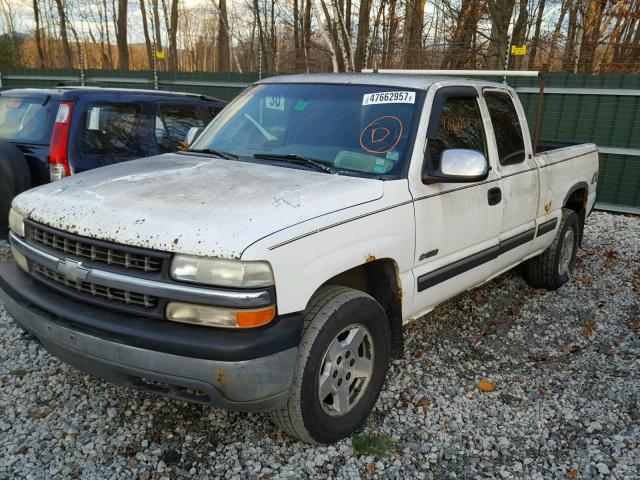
(343, 359)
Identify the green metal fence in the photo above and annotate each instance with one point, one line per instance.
(603, 109)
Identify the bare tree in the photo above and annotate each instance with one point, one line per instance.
(145, 29)
(413, 23)
(63, 34)
(121, 35)
(36, 13)
(224, 60)
(500, 12)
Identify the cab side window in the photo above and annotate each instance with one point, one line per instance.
(460, 127)
(506, 127)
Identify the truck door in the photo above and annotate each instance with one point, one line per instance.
(457, 224)
(510, 147)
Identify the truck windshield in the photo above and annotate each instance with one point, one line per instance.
(358, 129)
(25, 120)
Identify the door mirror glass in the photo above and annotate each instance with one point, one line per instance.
(459, 165)
(191, 135)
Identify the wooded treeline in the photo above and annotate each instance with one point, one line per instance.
(278, 36)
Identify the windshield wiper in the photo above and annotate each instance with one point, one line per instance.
(225, 155)
(295, 158)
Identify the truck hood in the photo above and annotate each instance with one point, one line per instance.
(190, 204)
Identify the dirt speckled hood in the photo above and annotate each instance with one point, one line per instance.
(189, 204)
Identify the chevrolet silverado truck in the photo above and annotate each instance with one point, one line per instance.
(271, 267)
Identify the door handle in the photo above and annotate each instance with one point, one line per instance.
(494, 195)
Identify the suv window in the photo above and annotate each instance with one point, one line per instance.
(506, 127)
(172, 124)
(26, 120)
(460, 127)
(111, 129)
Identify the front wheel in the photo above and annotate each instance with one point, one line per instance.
(343, 359)
(553, 268)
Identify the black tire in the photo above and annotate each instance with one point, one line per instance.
(546, 270)
(332, 310)
(15, 178)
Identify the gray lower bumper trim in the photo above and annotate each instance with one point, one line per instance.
(260, 384)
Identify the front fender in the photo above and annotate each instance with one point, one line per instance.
(304, 257)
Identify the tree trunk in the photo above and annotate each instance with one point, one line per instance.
(593, 17)
(224, 59)
(145, 28)
(519, 35)
(66, 48)
(363, 33)
(500, 12)
(414, 17)
(36, 13)
(460, 52)
(390, 50)
(345, 43)
(263, 47)
(570, 46)
(173, 34)
(536, 36)
(121, 35)
(326, 34)
(306, 35)
(556, 34)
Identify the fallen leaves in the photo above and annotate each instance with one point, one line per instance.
(572, 474)
(541, 357)
(424, 402)
(21, 451)
(589, 328)
(370, 468)
(417, 354)
(486, 386)
(610, 258)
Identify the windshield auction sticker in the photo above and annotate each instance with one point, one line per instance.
(379, 98)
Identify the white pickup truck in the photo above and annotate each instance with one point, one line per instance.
(272, 266)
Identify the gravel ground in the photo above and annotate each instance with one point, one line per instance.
(564, 366)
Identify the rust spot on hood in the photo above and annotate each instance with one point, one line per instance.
(220, 376)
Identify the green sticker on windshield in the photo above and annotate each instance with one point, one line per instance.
(301, 105)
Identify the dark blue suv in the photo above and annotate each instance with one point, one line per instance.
(48, 134)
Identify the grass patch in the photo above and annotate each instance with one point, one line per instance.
(378, 445)
(18, 373)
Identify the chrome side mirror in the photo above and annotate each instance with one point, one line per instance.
(460, 166)
(192, 134)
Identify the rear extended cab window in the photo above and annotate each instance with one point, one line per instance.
(506, 127)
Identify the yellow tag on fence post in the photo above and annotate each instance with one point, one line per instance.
(160, 55)
(518, 50)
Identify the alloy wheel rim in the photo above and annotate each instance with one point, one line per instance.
(566, 252)
(346, 369)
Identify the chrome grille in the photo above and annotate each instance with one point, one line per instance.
(109, 293)
(96, 253)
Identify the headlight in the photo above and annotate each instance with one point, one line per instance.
(218, 317)
(221, 272)
(16, 222)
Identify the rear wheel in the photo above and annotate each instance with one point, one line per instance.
(554, 267)
(342, 363)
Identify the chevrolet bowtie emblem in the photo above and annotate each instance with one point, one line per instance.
(73, 271)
